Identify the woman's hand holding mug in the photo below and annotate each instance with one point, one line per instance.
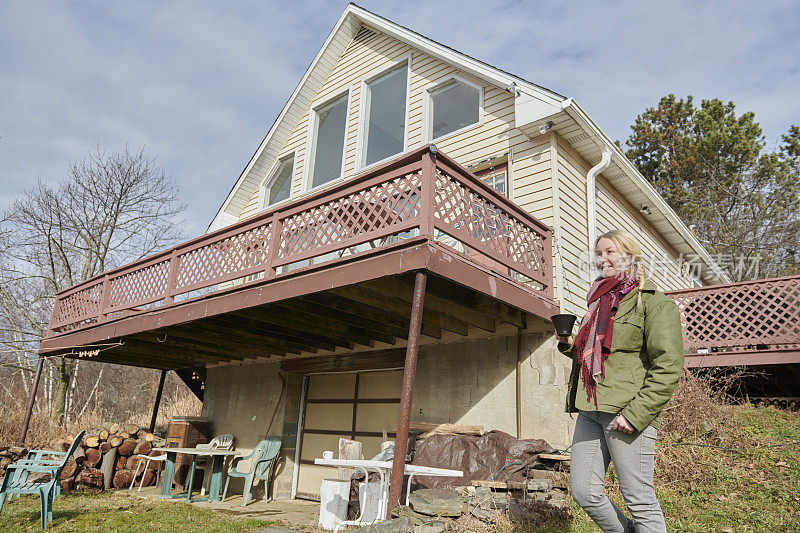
(566, 339)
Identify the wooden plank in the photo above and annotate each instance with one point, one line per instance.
(397, 288)
(401, 307)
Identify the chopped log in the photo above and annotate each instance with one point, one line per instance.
(18, 450)
(427, 429)
(91, 442)
(113, 428)
(132, 429)
(70, 469)
(124, 435)
(79, 455)
(103, 435)
(149, 437)
(104, 447)
(127, 447)
(132, 463)
(120, 462)
(122, 479)
(107, 467)
(148, 477)
(93, 457)
(115, 440)
(90, 480)
(67, 484)
(143, 448)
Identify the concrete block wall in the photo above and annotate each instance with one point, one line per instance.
(474, 382)
(241, 400)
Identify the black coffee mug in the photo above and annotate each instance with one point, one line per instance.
(564, 323)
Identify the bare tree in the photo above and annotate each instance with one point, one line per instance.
(111, 208)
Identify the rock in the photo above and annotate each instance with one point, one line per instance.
(396, 525)
(482, 514)
(417, 519)
(437, 502)
(434, 526)
(542, 485)
(560, 479)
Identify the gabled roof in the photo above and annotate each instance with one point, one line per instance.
(534, 105)
(343, 32)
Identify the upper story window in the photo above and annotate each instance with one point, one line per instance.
(384, 116)
(278, 185)
(452, 106)
(327, 141)
(496, 178)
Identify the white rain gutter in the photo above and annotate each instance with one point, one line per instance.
(591, 195)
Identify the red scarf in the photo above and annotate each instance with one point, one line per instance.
(593, 342)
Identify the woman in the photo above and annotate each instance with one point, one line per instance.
(628, 354)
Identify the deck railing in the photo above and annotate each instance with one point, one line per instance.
(420, 194)
(741, 317)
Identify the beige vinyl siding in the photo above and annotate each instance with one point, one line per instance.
(613, 211)
(573, 239)
(368, 54)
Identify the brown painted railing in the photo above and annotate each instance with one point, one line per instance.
(741, 317)
(422, 193)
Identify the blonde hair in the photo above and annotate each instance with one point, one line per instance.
(627, 243)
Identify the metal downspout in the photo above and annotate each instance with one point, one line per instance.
(591, 195)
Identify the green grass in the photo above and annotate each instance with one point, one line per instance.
(742, 490)
(120, 513)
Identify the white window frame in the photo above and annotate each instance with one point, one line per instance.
(427, 108)
(310, 153)
(266, 184)
(362, 114)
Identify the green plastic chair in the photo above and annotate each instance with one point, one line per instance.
(261, 459)
(16, 480)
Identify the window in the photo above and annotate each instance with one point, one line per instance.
(328, 142)
(496, 178)
(278, 185)
(384, 116)
(453, 106)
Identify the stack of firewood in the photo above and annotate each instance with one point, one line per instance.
(10, 454)
(107, 458)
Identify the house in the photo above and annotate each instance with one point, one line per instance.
(397, 164)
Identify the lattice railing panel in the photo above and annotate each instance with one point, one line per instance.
(378, 208)
(741, 316)
(78, 306)
(343, 221)
(140, 286)
(218, 261)
(487, 227)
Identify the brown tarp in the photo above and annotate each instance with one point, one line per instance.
(494, 455)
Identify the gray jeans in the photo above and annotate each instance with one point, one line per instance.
(594, 445)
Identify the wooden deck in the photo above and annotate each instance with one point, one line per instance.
(753, 323)
(331, 272)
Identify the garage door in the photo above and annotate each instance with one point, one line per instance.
(359, 406)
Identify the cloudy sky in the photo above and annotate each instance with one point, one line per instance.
(198, 84)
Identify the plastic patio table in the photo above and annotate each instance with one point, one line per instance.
(384, 470)
(218, 459)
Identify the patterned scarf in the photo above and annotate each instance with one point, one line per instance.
(593, 342)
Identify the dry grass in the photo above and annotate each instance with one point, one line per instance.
(42, 431)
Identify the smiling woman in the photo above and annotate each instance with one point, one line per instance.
(629, 355)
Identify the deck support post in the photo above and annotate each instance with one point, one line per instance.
(407, 393)
(158, 400)
(31, 400)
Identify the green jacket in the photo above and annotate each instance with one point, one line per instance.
(644, 365)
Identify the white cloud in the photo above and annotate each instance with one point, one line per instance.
(199, 83)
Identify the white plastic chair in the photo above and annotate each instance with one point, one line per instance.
(145, 460)
(220, 442)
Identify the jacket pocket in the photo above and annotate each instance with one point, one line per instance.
(628, 334)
